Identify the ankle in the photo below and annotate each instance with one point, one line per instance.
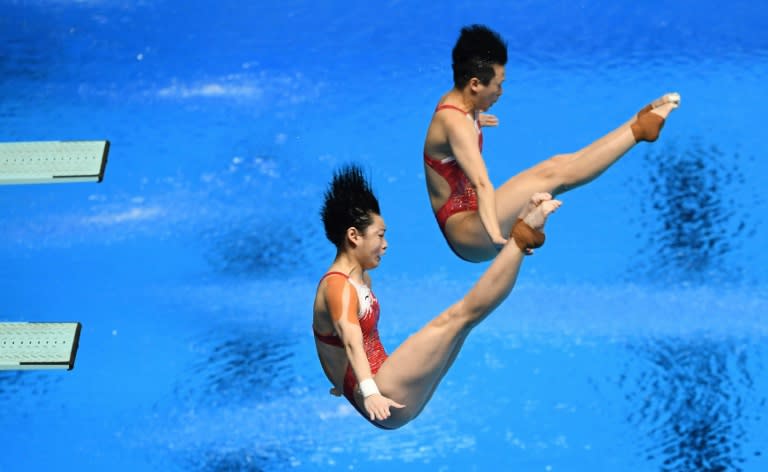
(647, 127)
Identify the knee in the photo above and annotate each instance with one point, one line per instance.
(554, 166)
(554, 171)
(466, 314)
(454, 319)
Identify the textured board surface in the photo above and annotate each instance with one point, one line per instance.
(25, 346)
(53, 161)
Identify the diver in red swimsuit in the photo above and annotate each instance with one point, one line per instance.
(389, 391)
(368, 319)
(474, 217)
(462, 194)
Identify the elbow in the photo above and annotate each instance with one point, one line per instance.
(349, 346)
(483, 185)
(351, 342)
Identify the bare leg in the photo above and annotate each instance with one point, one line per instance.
(564, 172)
(672, 98)
(555, 175)
(413, 371)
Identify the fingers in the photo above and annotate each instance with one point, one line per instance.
(380, 410)
(486, 119)
(380, 413)
(376, 410)
(500, 241)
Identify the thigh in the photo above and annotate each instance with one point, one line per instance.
(411, 373)
(467, 237)
(465, 231)
(514, 194)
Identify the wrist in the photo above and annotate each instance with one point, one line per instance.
(368, 387)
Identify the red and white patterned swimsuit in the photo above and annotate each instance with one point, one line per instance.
(463, 196)
(368, 316)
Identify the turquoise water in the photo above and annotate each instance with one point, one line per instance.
(635, 339)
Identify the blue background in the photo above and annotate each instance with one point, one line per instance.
(635, 340)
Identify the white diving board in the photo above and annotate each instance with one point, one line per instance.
(33, 162)
(29, 346)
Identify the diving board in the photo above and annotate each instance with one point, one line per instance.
(32, 162)
(28, 346)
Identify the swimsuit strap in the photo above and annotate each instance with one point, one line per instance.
(333, 272)
(472, 117)
(450, 107)
(431, 161)
(357, 285)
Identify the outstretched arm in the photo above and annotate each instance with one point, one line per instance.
(462, 138)
(343, 306)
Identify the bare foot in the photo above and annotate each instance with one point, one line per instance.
(664, 105)
(527, 232)
(538, 208)
(535, 201)
(669, 98)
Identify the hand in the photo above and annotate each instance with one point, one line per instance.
(378, 406)
(485, 120)
(499, 241)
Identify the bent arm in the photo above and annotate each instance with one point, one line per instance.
(462, 138)
(343, 306)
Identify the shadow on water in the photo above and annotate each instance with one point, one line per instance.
(239, 371)
(244, 460)
(260, 226)
(692, 217)
(255, 248)
(236, 365)
(28, 391)
(691, 402)
(27, 49)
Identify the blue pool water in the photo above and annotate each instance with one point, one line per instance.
(635, 340)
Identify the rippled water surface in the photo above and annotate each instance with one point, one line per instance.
(635, 339)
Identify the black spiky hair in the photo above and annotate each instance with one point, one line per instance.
(476, 51)
(349, 202)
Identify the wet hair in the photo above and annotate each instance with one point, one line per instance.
(476, 51)
(349, 202)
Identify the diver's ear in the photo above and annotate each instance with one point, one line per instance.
(474, 84)
(353, 236)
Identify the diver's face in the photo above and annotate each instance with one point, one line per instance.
(372, 245)
(489, 94)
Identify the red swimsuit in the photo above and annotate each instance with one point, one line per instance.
(368, 316)
(463, 196)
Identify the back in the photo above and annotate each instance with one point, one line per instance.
(333, 358)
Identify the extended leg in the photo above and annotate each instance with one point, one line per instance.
(557, 175)
(411, 374)
(567, 171)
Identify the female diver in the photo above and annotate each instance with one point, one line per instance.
(391, 390)
(473, 216)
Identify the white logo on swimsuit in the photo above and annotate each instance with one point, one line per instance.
(366, 301)
(366, 298)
